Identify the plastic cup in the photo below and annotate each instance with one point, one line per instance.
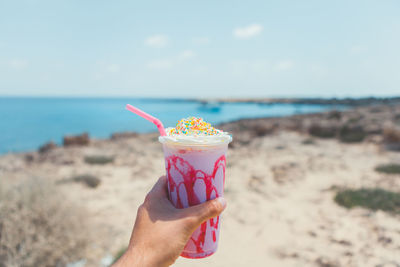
(195, 174)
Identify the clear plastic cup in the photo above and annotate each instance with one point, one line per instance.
(195, 174)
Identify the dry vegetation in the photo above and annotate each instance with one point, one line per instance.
(391, 135)
(39, 227)
(391, 168)
(99, 160)
(373, 199)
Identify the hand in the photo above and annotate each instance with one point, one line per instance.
(161, 231)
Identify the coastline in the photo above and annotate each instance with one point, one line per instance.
(53, 118)
(348, 103)
(358, 113)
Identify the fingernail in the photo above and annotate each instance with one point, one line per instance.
(222, 201)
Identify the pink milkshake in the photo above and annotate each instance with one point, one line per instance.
(195, 161)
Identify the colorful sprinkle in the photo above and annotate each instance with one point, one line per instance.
(194, 127)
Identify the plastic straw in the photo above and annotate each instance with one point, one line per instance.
(148, 117)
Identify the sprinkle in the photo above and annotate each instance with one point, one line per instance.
(193, 126)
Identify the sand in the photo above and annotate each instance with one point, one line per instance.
(279, 191)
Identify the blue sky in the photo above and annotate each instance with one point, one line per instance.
(200, 48)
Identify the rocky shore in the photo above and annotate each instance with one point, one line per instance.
(285, 186)
(353, 102)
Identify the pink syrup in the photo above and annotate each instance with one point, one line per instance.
(189, 186)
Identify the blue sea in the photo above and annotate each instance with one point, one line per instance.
(27, 123)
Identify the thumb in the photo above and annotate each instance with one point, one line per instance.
(206, 210)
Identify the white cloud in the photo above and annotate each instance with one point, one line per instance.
(19, 64)
(160, 64)
(247, 32)
(201, 40)
(187, 54)
(157, 41)
(358, 49)
(114, 68)
(284, 65)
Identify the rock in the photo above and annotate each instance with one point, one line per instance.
(77, 140)
(262, 130)
(334, 114)
(232, 144)
(373, 128)
(47, 147)
(123, 135)
(67, 162)
(29, 158)
(323, 262)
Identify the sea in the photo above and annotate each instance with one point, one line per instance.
(26, 123)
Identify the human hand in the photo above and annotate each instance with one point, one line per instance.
(161, 231)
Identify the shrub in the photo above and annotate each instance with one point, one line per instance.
(391, 138)
(354, 120)
(87, 179)
(373, 199)
(391, 134)
(262, 130)
(100, 160)
(308, 141)
(352, 134)
(397, 118)
(38, 227)
(322, 131)
(389, 168)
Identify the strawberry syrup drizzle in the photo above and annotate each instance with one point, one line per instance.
(190, 175)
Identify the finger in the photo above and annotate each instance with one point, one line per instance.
(206, 210)
(159, 190)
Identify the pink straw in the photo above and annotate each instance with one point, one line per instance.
(148, 117)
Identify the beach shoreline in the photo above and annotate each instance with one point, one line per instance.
(282, 177)
(347, 101)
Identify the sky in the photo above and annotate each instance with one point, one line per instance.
(253, 48)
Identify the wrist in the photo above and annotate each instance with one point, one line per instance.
(133, 257)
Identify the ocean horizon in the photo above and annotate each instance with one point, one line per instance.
(29, 122)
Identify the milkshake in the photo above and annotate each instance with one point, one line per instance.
(195, 162)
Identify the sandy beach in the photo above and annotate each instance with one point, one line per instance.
(281, 182)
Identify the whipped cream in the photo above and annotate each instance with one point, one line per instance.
(195, 131)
